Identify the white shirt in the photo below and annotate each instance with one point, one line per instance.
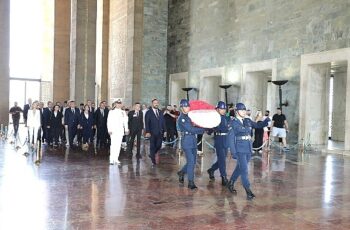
(117, 121)
(156, 112)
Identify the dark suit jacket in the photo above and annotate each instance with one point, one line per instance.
(99, 120)
(25, 111)
(55, 121)
(154, 125)
(71, 119)
(135, 123)
(86, 124)
(46, 116)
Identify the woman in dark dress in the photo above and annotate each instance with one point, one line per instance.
(55, 124)
(86, 124)
(259, 133)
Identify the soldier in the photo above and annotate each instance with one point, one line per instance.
(188, 143)
(220, 143)
(241, 147)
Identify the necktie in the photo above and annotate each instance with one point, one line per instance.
(102, 112)
(137, 114)
(73, 111)
(157, 114)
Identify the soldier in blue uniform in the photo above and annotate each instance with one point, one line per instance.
(188, 143)
(220, 144)
(241, 147)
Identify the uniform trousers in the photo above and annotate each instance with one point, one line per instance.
(116, 142)
(221, 160)
(191, 159)
(242, 168)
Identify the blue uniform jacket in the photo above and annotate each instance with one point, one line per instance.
(237, 129)
(221, 140)
(189, 139)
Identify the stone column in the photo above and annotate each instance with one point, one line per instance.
(339, 106)
(105, 43)
(154, 63)
(61, 65)
(125, 50)
(4, 60)
(83, 50)
(347, 107)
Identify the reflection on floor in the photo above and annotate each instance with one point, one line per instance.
(80, 190)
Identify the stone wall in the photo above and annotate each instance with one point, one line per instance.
(154, 66)
(206, 34)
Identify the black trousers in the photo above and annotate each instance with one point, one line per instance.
(56, 132)
(72, 131)
(170, 136)
(15, 126)
(132, 140)
(101, 136)
(44, 132)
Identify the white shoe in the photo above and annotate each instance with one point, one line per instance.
(118, 162)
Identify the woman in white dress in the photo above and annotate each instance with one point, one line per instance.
(34, 122)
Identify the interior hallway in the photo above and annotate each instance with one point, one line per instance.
(77, 190)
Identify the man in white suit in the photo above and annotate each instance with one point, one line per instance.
(117, 125)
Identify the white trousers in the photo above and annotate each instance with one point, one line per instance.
(33, 134)
(116, 142)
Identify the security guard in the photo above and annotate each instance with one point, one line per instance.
(188, 143)
(220, 144)
(241, 147)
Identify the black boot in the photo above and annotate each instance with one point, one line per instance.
(231, 187)
(211, 174)
(224, 181)
(250, 194)
(181, 176)
(191, 185)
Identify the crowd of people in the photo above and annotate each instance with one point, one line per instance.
(74, 126)
(79, 126)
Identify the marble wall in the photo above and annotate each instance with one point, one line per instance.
(206, 34)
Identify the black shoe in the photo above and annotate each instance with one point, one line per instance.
(231, 187)
(250, 194)
(191, 185)
(181, 176)
(211, 174)
(224, 181)
(138, 156)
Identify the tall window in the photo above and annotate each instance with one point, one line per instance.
(26, 31)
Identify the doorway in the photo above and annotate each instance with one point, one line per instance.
(256, 91)
(177, 81)
(21, 90)
(325, 115)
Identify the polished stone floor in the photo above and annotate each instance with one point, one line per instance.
(71, 189)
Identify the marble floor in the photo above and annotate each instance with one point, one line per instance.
(72, 189)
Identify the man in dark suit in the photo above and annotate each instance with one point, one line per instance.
(25, 110)
(135, 127)
(100, 117)
(46, 128)
(71, 121)
(155, 129)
